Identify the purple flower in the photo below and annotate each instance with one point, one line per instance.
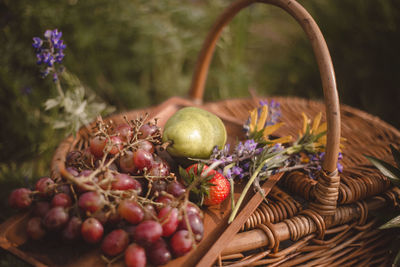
(45, 72)
(340, 167)
(48, 59)
(59, 57)
(246, 165)
(236, 170)
(247, 148)
(277, 147)
(59, 44)
(49, 51)
(56, 35)
(274, 111)
(250, 145)
(48, 34)
(37, 43)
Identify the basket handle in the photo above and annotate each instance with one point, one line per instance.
(321, 53)
(326, 191)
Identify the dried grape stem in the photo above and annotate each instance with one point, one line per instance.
(165, 145)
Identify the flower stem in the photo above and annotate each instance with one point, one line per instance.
(232, 183)
(249, 183)
(246, 188)
(59, 89)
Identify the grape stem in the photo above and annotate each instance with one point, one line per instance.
(165, 145)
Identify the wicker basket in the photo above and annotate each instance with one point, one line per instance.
(323, 222)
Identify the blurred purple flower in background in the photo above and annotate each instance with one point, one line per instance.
(49, 51)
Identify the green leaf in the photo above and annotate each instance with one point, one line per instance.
(185, 176)
(51, 103)
(58, 124)
(388, 170)
(318, 136)
(396, 155)
(396, 261)
(393, 223)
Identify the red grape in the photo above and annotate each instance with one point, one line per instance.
(55, 218)
(135, 256)
(159, 185)
(97, 145)
(101, 216)
(158, 253)
(72, 157)
(165, 199)
(130, 229)
(115, 242)
(114, 218)
(91, 202)
(20, 198)
(131, 211)
(72, 230)
(125, 182)
(192, 208)
(181, 243)
(124, 131)
(72, 171)
(40, 208)
(64, 188)
(176, 189)
(126, 163)
(142, 159)
(34, 228)
(196, 225)
(116, 144)
(158, 170)
(62, 200)
(147, 130)
(146, 146)
(92, 230)
(169, 220)
(148, 232)
(149, 212)
(159, 167)
(44, 185)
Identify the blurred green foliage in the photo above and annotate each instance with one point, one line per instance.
(135, 53)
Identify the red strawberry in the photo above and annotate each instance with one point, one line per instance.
(215, 188)
(219, 191)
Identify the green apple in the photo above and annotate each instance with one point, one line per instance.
(193, 133)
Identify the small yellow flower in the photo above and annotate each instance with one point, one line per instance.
(258, 119)
(316, 129)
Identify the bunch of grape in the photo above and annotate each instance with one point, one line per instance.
(117, 192)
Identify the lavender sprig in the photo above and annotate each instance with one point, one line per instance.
(74, 106)
(50, 53)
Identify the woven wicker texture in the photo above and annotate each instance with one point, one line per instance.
(306, 222)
